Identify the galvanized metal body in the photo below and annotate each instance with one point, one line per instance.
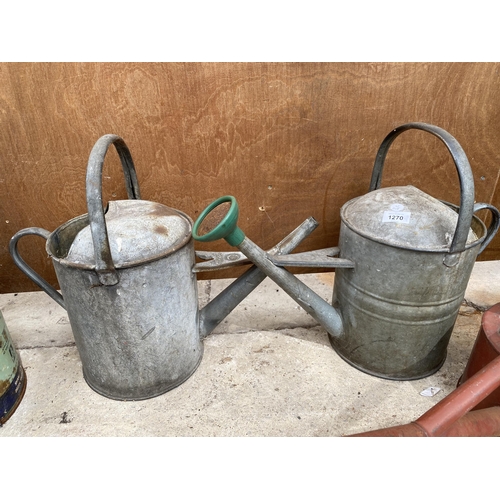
(12, 375)
(413, 258)
(398, 305)
(398, 287)
(128, 282)
(138, 338)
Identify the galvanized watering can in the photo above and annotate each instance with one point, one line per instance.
(128, 280)
(404, 261)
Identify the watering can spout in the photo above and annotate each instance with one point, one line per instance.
(220, 306)
(210, 226)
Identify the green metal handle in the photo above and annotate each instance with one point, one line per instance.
(227, 228)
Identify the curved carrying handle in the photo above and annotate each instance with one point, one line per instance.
(494, 224)
(21, 264)
(104, 262)
(464, 173)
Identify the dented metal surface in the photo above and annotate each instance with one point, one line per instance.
(139, 338)
(128, 288)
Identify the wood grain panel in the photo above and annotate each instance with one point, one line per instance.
(289, 140)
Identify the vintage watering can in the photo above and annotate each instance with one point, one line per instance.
(129, 285)
(404, 260)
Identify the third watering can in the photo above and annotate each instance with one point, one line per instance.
(403, 263)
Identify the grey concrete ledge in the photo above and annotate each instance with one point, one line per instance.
(267, 370)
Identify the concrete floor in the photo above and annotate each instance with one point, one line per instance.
(267, 370)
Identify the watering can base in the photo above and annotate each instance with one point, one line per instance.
(143, 393)
(387, 376)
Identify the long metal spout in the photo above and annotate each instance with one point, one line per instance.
(318, 308)
(224, 224)
(219, 307)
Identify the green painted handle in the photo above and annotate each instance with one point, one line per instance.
(227, 228)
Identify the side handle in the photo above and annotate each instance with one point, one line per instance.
(494, 225)
(21, 264)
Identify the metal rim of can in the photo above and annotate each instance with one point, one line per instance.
(78, 223)
(475, 219)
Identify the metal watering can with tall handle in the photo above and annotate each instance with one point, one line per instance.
(128, 281)
(404, 261)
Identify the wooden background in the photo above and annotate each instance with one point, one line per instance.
(289, 140)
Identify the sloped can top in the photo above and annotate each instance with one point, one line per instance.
(404, 217)
(139, 231)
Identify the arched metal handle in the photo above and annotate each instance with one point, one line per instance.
(494, 224)
(466, 179)
(104, 261)
(21, 264)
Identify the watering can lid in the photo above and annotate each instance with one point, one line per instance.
(404, 217)
(138, 231)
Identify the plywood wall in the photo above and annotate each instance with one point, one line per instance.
(288, 140)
